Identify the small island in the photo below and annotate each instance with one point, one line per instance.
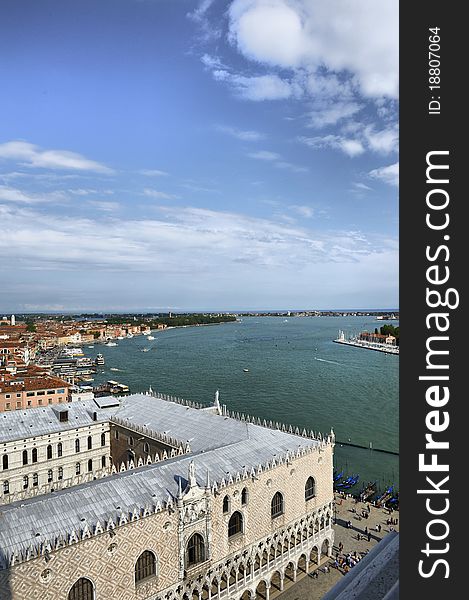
(384, 340)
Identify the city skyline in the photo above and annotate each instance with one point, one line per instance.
(198, 155)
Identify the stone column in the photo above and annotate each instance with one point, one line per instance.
(294, 573)
(267, 591)
(282, 581)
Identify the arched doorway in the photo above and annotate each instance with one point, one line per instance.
(290, 572)
(276, 582)
(302, 564)
(313, 557)
(261, 591)
(325, 548)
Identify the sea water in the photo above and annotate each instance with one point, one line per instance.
(295, 374)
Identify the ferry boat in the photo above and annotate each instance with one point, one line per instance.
(72, 352)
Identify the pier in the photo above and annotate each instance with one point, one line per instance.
(370, 447)
(388, 348)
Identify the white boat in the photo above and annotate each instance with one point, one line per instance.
(111, 344)
(120, 337)
(130, 335)
(150, 337)
(246, 370)
(72, 352)
(90, 346)
(145, 349)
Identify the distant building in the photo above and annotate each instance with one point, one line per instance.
(27, 393)
(13, 320)
(198, 505)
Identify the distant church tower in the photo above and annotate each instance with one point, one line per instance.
(13, 320)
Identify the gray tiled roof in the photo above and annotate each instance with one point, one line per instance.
(33, 422)
(220, 446)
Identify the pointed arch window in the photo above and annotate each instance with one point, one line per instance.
(226, 505)
(244, 496)
(277, 505)
(81, 590)
(49, 452)
(235, 524)
(77, 445)
(5, 462)
(25, 457)
(310, 488)
(145, 566)
(59, 449)
(34, 455)
(90, 442)
(103, 439)
(195, 550)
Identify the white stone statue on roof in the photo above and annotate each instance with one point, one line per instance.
(192, 480)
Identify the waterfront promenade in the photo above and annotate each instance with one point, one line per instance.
(311, 588)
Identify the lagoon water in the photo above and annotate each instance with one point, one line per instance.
(296, 375)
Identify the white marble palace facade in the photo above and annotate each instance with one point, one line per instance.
(208, 506)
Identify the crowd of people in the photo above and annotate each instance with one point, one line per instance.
(344, 562)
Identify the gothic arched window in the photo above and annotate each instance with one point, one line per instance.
(235, 524)
(226, 505)
(244, 496)
(145, 566)
(195, 550)
(81, 590)
(276, 506)
(310, 488)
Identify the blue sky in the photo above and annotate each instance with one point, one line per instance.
(198, 154)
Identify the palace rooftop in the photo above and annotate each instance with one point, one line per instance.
(223, 449)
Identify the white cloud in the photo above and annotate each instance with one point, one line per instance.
(103, 205)
(160, 195)
(277, 161)
(9, 194)
(359, 38)
(324, 114)
(361, 186)
(303, 211)
(389, 174)
(32, 156)
(384, 141)
(264, 155)
(282, 164)
(153, 173)
(240, 134)
(355, 138)
(182, 240)
(351, 147)
(257, 88)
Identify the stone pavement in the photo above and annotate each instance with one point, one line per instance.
(308, 588)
